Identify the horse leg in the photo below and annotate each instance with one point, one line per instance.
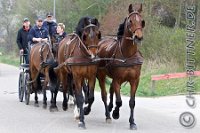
(36, 99)
(65, 89)
(91, 83)
(33, 72)
(102, 78)
(79, 100)
(54, 93)
(116, 86)
(65, 101)
(44, 98)
(44, 92)
(110, 106)
(134, 86)
(86, 91)
(70, 90)
(53, 107)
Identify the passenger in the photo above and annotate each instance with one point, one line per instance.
(38, 33)
(22, 39)
(60, 33)
(49, 24)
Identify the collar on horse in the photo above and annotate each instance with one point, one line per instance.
(85, 59)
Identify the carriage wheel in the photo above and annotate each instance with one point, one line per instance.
(27, 88)
(21, 86)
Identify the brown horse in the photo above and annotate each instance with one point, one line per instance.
(41, 65)
(124, 62)
(76, 53)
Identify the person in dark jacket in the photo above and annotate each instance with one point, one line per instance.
(22, 39)
(60, 33)
(38, 33)
(57, 38)
(49, 24)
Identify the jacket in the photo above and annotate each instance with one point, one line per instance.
(51, 27)
(58, 37)
(22, 38)
(37, 33)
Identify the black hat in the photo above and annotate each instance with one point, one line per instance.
(49, 14)
(25, 20)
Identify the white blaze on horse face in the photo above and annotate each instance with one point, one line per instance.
(91, 54)
(137, 18)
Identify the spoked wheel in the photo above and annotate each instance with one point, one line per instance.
(27, 88)
(21, 86)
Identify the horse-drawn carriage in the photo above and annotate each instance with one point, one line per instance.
(24, 77)
(119, 59)
(34, 77)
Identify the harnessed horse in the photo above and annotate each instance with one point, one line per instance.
(124, 62)
(41, 64)
(76, 53)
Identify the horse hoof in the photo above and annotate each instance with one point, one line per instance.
(133, 126)
(115, 114)
(86, 110)
(65, 107)
(81, 125)
(110, 106)
(108, 120)
(36, 105)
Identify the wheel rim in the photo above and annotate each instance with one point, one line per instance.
(27, 88)
(21, 87)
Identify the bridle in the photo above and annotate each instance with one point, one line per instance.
(91, 32)
(128, 25)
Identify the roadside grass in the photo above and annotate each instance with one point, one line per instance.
(11, 59)
(162, 87)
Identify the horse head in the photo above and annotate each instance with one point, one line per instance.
(90, 35)
(135, 23)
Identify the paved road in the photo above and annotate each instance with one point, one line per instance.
(152, 115)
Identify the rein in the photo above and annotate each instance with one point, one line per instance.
(82, 48)
(42, 64)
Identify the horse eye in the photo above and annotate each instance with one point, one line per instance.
(130, 21)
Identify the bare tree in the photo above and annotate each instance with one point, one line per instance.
(7, 23)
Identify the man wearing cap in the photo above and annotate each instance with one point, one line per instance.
(49, 24)
(38, 33)
(22, 39)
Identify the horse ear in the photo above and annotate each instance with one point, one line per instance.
(95, 22)
(130, 8)
(140, 8)
(143, 23)
(99, 35)
(86, 22)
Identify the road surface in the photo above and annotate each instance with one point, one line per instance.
(152, 115)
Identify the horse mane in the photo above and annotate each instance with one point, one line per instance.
(120, 32)
(83, 22)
